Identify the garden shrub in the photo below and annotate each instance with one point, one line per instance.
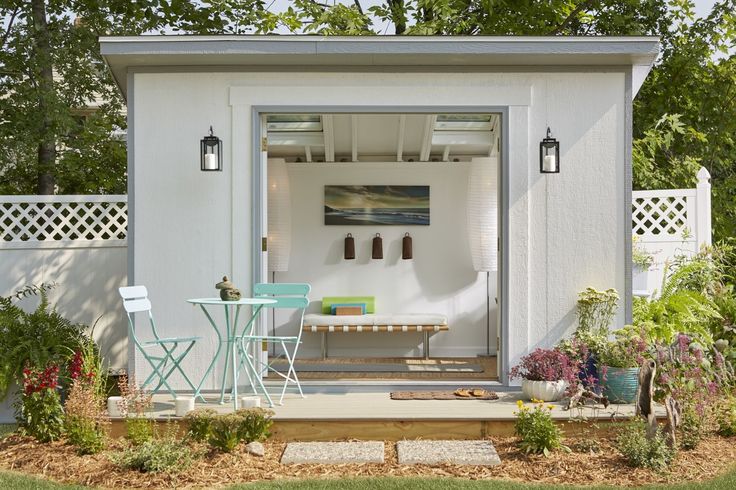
(692, 429)
(538, 432)
(156, 455)
(85, 418)
(34, 340)
(246, 425)
(641, 452)
(726, 417)
(199, 423)
(39, 412)
(134, 406)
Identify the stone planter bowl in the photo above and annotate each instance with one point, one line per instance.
(547, 391)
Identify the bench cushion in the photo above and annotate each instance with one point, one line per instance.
(406, 322)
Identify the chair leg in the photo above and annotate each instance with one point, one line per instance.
(257, 377)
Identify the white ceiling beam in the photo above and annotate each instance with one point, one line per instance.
(277, 138)
(354, 127)
(308, 153)
(426, 147)
(329, 133)
(446, 154)
(400, 139)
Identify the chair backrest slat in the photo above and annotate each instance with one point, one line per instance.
(281, 289)
(136, 305)
(133, 292)
(287, 295)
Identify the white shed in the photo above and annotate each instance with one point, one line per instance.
(383, 113)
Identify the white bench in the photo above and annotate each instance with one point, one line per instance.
(373, 323)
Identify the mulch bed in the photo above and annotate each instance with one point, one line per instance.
(59, 462)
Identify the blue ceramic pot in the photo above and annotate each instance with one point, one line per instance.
(621, 384)
(590, 369)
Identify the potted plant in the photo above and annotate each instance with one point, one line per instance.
(641, 262)
(546, 374)
(620, 360)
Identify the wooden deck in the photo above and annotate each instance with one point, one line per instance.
(329, 416)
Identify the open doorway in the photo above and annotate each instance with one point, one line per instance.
(393, 220)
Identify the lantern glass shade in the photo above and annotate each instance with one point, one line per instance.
(549, 155)
(482, 213)
(279, 216)
(211, 153)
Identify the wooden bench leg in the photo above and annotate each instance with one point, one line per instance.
(324, 345)
(425, 346)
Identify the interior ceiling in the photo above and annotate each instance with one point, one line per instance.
(385, 137)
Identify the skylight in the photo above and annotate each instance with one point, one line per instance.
(294, 122)
(463, 122)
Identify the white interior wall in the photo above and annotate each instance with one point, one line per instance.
(565, 231)
(439, 279)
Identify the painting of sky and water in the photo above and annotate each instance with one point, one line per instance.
(377, 205)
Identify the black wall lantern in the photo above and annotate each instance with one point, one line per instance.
(549, 155)
(211, 153)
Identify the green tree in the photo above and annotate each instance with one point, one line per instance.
(61, 115)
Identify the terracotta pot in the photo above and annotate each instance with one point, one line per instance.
(547, 391)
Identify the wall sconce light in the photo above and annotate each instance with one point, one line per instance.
(349, 253)
(377, 247)
(406, 247)
(549, 155)
(211, 153)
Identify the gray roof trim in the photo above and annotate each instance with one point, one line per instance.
(122, 53)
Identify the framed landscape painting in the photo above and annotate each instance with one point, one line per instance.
(377, 205)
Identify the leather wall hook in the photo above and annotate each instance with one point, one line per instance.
(377, 247)
(406, 247)
(349, 247)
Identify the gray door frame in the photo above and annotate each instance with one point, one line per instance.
(259, 173)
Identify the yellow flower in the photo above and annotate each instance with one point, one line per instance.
(551, 407)
(519, 403)
(534, 400)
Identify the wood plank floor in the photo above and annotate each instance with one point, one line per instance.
(488, 364)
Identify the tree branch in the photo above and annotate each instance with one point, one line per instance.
(10, 26)
(579, 8)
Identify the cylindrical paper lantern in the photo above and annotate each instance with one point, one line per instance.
(483, 213)
(279, 216)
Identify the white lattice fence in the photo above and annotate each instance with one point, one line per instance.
(63, 221)
(671, 222)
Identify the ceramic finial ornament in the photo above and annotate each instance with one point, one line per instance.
(349, 253)
(228, 291)
(406, 247)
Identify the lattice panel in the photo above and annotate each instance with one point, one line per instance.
(63, 221)
(660, 216)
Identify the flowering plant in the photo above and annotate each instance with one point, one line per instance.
(538, 432)
(39, 411)
(624, 352)
(546, 365)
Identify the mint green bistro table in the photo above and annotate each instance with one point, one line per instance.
(227, 334)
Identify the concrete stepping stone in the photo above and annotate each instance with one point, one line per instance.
(333, 452)
(481, 453)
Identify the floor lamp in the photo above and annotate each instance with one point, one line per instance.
(279, 225)
(482, 213)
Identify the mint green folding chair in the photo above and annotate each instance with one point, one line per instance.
(288, 296)
(163, 354)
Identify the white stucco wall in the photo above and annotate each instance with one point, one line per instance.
(565, 231)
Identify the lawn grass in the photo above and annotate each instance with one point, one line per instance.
(6, 429)
(17, 481)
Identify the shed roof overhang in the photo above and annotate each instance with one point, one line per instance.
(433, 52)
